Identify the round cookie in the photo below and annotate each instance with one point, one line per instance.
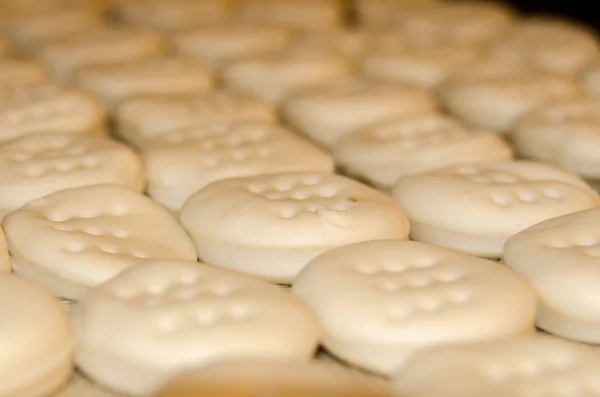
(274, 76)
(525, 366)
(101, 46)
(46, 108)
(498, 100)
(156, 319)
(559, 259)
(219, 45)
(36, 165)
(37, 356)
(566, 134)
(555, 46)
(160, 76)
(386, 151)
(142, 119)
(378, 302)
(272, 225)
(327, 114)
(183, 162)
(76, 239)
(250, 378)
(303, 15)
(170, 15)
(476, 208)
(16, 72)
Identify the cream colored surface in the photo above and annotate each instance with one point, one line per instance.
(5, 265)
(303, 15)
(328, 114)
(275, 76)
(79, 386)
(170, 15)
(386, 151)
(498, 100)
(379, 302)
(249, 378)
(37, 356)
(272, 225)
(161, 317)
(566, 134)
(183, 162)
(559, 257)
(76, 239)
(36, 165)
(46, 108)
(159, 76)
(16, 72)
(101, 46)
(476, 208)
(142, 119)
(219, 45)
(534, 366)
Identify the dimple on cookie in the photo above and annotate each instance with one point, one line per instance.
(379, 302)
(272, 225)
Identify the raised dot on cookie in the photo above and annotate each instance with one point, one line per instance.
(312, 180)
(552, 193)
(109, 249)
(119, 210)
(139, 255)
(328, 192)
(119, 233)
(94, 231)
(74, 246)
(449, 276)
(288, 212)
(460, 296)
(257, 188)
(300, 194)
(390, 286)
(424, 262)
(239, 312)
(90, 162)
(64, 166)
(502, 199)
(528, 196)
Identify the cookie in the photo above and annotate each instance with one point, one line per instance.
(159, 76)
(274, 76)
(217, 46)
(101, 46)
(476, 208)
(271, 226)
(379, 302)
(498, 100)
(16, 72)
(76, 239)
(142, 119)
(36, 165)
(327, 114)
(558, 257)
(248, 378)
(525, 366)
(386, 151)
(45, 108)
(183, 162)
(156, 319)
(37, 358)
(566, 134)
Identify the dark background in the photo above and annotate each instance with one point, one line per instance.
(584, 11)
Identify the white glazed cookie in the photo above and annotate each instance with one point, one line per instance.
(380, 301)
(157, 76)
(15, 72)
(327, 114)
(386, 151)
(105, 45)
(30, 31)
(559, 258)
(78, 238)
(156, 319)
(5, 265)
(422, 64)
(515, 367)
(272, 225)
(566, 134)
(47, 107)
(476, 208)
(170, 15)
(249, 378)
(36, 165)
(37, 356)
(219, 45)
(550, 45)
(183, 162)
(303, 15)
(274, 76)
(142, 119)
(497, 101)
